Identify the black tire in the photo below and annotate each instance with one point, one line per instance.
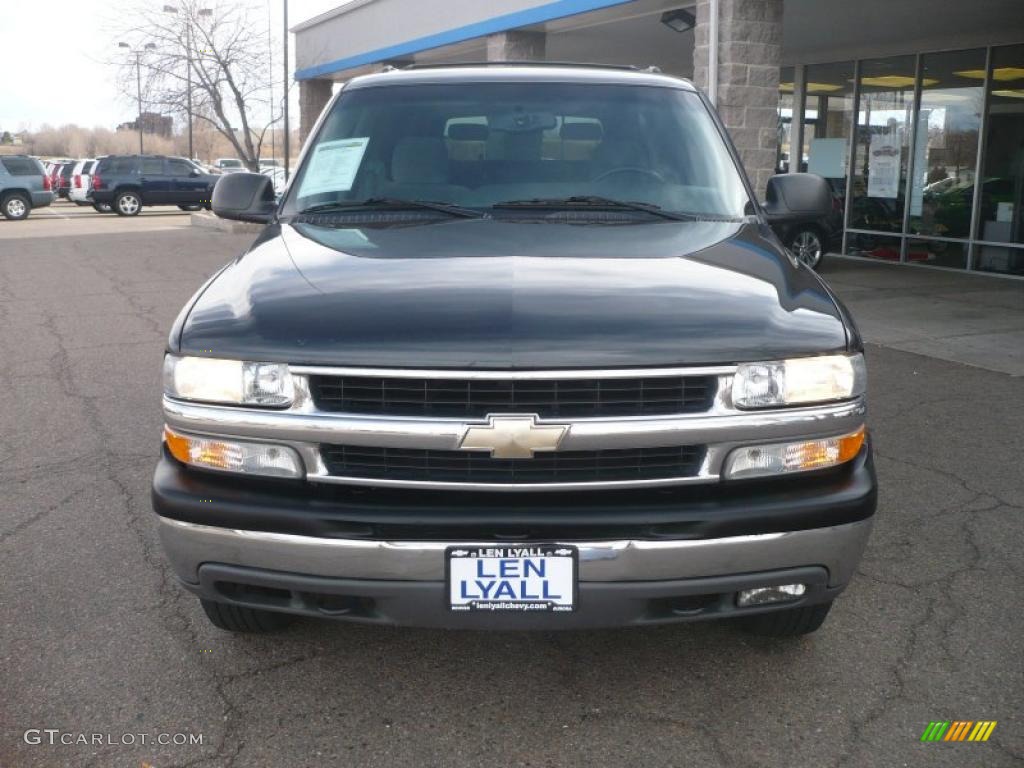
(103, 207)
(235, 618)
(788, 623)
(127, 203)
(190, 207)
(808, 245)
(15, 206)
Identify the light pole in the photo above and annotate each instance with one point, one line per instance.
(287, 138)
(138, 80)
(188, 68)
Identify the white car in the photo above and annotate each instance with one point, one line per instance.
(81, 177)
(277, 177)
(228, 165)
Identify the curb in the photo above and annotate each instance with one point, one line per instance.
(207, 220)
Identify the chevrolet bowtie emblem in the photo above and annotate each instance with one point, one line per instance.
(513, 437)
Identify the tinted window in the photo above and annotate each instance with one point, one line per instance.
(179, 168)
(118, 165)
(87, 168)
(152, 165)
(21, 166)
(484, 143)
(65, 171)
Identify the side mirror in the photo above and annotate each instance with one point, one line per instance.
(804, 195)
(244, 197)
(193, 173)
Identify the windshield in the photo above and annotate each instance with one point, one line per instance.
(481, 145)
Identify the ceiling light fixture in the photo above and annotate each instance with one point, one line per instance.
(679, 20)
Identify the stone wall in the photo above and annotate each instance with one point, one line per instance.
(313, 97)
(749, 53)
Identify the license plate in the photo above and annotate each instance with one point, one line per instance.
(524, 578)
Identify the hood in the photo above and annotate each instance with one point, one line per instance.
(488, 293)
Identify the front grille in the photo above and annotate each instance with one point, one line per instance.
(546, 467)
(548, 398)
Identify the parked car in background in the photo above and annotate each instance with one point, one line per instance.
(54, 175)
(229, 165)
(276, 176)
(63, 188)
(80, 177)
(128, 182)
(24, 185)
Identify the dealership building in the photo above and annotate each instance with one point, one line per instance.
(912, 109)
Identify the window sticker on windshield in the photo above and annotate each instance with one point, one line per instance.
(333, 166)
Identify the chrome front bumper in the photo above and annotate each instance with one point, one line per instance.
(835, 548)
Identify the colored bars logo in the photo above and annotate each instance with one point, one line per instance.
(958, 730)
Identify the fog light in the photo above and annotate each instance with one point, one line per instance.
(782, 458)
(233, 455)
(768, 595)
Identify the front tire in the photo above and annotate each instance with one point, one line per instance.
(808, 246)
(236, 618)
(127, 204)
(15, 206)
(792, 622)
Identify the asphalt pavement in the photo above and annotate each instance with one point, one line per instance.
(97, 639)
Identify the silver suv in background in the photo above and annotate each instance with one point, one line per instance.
(24, 185)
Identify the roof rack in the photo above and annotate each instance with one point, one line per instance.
(528, 63)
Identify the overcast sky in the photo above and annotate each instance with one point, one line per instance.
(60, 45)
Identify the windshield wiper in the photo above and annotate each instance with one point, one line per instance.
(394, 204)
(598, 202)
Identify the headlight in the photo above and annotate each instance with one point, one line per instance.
(227, 381)
(799, 381)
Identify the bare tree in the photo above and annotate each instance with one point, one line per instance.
(225, 51)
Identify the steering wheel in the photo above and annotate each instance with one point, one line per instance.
(630, 169)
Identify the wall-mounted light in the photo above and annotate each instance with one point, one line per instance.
(679, 20)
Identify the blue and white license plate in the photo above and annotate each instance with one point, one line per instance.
(526, 578)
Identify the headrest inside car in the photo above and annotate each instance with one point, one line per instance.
(468, 132)
(420, 160)
(581, 132)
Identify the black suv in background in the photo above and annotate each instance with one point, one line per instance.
(128, 182)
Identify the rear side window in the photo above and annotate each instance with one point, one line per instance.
(21, 166)
(179, 168)
(121, 166)
(152, 165)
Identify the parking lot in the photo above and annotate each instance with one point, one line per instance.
(99, 639)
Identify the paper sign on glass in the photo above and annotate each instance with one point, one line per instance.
(333, 166)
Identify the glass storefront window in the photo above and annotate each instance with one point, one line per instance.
(786, 102)
(828, 123)
(882, 143)
(946, 148)
(883, 247)
(1001, 218)
(937, 253)
(918, 192)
